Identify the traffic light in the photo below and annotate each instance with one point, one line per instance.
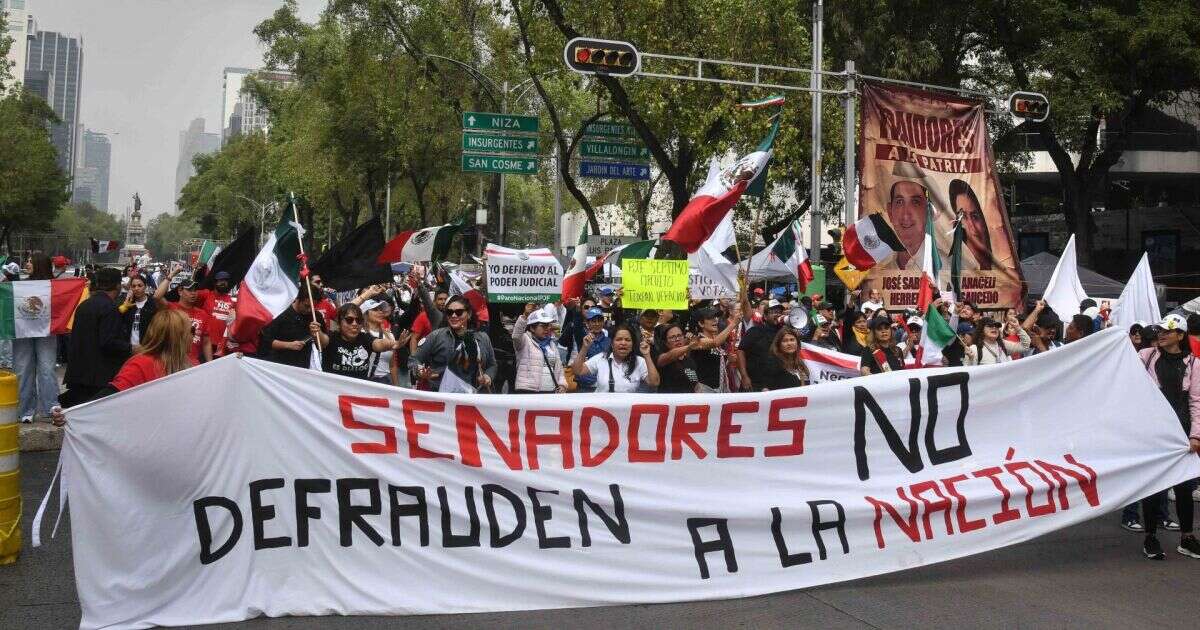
(602, 56)
(1029, 106)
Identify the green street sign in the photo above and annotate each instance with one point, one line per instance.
(509, 164)
(592, 148)
(498, 143)
(610, 129)
(499, 122)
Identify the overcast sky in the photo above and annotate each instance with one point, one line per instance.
(149, 68)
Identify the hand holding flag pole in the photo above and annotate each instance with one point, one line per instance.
(303, 258)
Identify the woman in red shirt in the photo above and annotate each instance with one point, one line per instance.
(163, 351)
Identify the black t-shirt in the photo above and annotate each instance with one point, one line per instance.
(892, 356)
(288, 326)
(1170, 371)
(756, 344)
(708, 366)
(349, 358)
(678, 377)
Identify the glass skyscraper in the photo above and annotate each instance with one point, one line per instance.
(56, 61)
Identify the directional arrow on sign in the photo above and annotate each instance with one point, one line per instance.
(471, 120)
(529, 145)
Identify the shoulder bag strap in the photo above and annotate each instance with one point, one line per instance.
(546, 360)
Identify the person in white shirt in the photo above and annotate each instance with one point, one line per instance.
(619, 370)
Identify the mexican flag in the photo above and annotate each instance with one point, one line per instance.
(272, 281)
(789, 250)
(869, 242)
(100, 247)
(579, 273)
(935, 335)
(721, 190)
(424, 245)
(931, 264)
(636, 250)
(38, 308)
(208, 249)
(460, 286)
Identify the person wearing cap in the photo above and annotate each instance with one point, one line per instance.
(873, 303)
(34, 358)
(713, 348)
(990, 347)
(188, 290)
(754, 351)
(593, 320)
(98, 346)
(539, 368)
(1175, 372)
(606, 301)
(881, 353)
(823, 333)
(912, 328)
(219, 305)
(386, 367)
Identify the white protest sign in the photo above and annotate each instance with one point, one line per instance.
(522, 275)
(300, 493)
(826, 365)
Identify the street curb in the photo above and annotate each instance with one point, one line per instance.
(40, 436)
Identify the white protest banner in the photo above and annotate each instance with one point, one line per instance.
(300, 493)
(704, 287)
(522, 275)
(825, 365)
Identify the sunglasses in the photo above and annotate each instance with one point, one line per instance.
(351, 320)
(456, 312)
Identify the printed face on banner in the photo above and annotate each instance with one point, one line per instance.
(921, 150)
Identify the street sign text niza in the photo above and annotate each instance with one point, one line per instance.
(510, 164)
(499, 122)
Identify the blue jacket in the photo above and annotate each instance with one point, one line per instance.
(587, 382)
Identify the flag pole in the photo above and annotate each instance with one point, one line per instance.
(304, 266)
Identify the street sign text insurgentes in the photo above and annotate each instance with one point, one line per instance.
(498, 143)
(602, 56)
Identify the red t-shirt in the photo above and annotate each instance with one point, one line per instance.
(140, 368)
(220, 307)
(420, 326)
(327, 310)
(1194, 345)
(201, 325)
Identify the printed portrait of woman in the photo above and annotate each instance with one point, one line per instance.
(975, 229)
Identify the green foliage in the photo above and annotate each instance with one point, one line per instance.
(223, 198)
(32, 187)
(6, 44)
(78, 223)
(166, 233)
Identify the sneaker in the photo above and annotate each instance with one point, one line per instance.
(1189, 546)
(26, 419)
(1133, 525)
(1152, 550)
(1169, 525)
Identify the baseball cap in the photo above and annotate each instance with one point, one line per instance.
(60, 261)
(371, 305)
(541, 316)
(965, 328)
(879, 322)
(774, 304)
(189, 284)
(758, 291)
(915, 321)
(224, 275)
(1174, 321)
(819, 320)
(593, 313)
(606, 290)
(826, 306)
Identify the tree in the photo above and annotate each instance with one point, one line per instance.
(166, 233)
(221, 197)
(34, 187)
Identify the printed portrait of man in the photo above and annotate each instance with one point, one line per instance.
(906, 212)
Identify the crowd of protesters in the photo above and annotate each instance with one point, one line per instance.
(140, 325)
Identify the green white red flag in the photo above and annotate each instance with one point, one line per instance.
(272, 281)
(931, 264)
(38, 308)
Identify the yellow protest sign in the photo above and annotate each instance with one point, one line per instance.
(651, 283)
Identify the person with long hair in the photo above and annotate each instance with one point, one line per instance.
(350, 350)
(714, 349)
(619, 370)
(457, 347)
(855, 332)
(990, 348)
(677, 370)
(786, 350)
(882, 354)
(386, 368)
(1177, 375)
(164, 350)
(969, 211)
(34, 357)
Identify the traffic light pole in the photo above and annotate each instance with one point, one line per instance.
(814, 208)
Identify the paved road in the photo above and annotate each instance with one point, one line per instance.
(1091, 575)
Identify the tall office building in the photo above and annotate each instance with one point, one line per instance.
(21, 28)
(240, 111)
(57, 61)
(91, 176)
(192, 141)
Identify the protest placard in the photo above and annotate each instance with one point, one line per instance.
(522, 275)
(652, 283)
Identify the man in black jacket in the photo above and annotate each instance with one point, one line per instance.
(99, 344)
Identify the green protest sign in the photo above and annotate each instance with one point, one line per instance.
(652, 283)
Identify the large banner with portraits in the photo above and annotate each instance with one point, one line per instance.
(922, 148)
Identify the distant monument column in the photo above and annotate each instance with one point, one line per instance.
(135, 235)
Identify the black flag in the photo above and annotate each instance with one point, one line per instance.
(350, 263)
(235, 259)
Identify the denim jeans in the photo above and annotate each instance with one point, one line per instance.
(6, 354)
(37, 383)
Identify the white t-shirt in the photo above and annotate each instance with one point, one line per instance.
(383, 360)
(598, 365)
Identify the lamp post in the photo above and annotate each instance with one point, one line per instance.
(262, 215)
